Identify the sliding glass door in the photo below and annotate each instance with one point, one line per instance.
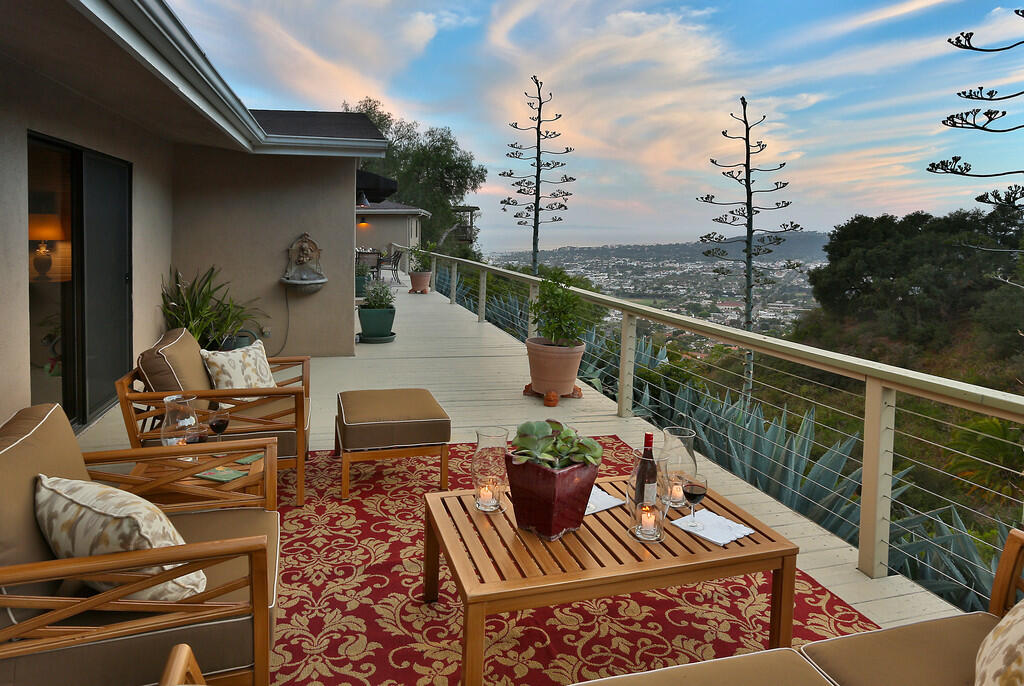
(79, 276)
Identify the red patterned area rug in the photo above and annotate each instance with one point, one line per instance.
(350, 608)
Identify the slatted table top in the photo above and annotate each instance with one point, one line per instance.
(493, 559)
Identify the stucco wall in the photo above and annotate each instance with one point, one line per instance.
(241, 212)
(384, 229)
(30, 102)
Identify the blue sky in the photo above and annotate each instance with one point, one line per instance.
(853, 91)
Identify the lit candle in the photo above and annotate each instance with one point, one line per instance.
(486, 495)
(677, 492)
(648, 519)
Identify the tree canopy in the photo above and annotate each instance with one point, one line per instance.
(915, 276)
(433, 171)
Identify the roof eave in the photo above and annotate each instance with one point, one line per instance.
(309, 145)
(150, 32)
(413, 210)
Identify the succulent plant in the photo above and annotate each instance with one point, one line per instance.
(552, 444)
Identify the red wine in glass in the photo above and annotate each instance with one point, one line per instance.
(694, 490)
(694, 493)
(219, 425)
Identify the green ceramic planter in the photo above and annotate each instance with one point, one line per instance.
(376, 323)
(361, 282)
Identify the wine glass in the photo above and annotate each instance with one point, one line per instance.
(681, 462)
(219, 423)
(694, 490)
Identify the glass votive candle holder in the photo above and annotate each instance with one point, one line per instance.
(674, 493)
(488, 495)
(649, 521)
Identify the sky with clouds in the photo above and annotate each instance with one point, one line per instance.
(853, 92)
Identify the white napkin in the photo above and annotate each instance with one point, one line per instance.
(717, 529)
(599, 500)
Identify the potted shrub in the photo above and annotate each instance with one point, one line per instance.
(206, 309)
(362, 277)
(419, 268)
(551, 473)
(377, 314)
(556, 353)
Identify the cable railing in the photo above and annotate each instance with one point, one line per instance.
(922, 473)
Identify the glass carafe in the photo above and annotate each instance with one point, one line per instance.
(680, 462)
(487, 468)
(179, 417)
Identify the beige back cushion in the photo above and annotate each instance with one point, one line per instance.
(1000, 660)
(36, 439)
(174, 363)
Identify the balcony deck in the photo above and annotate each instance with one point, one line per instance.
(477, 372)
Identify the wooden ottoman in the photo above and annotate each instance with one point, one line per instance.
(382, 424)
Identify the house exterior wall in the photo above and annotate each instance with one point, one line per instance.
(238, 211)
(385, 229)
(29, 102)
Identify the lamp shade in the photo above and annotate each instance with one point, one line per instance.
(45, 227)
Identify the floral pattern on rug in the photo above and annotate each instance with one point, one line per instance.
(350, 608)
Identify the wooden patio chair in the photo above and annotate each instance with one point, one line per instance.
(174, 365)
(56, 630)
(181, 668)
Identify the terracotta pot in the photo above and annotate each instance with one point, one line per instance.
(420, 281)
(549, 502)
(553, 367)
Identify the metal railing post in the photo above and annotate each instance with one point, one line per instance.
(876, 479)
(481, 298)
(627, 358)
(433, 273)
(531, 328)
(453, 281)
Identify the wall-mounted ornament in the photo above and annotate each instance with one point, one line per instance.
(304, 273)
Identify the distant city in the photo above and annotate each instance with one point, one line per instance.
(677, 277)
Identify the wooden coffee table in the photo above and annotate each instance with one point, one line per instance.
(500, 568)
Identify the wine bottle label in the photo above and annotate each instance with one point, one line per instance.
(650, 492)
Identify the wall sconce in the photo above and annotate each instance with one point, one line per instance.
(363, 223)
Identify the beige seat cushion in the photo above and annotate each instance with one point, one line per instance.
(174, 363)
(238, 522)
(391, 418)
(770, 667)
(1000, 660)
(85, 518)
(285, 439)
(936, 652)
(36, 439)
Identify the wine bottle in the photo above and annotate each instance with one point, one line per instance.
(645, 487)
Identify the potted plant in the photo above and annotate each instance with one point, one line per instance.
(556, 353)
(362, 277)
(377, 314)
(205, 308)
(550, 475)
(419, 268)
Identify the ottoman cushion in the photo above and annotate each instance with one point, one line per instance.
(391, 418)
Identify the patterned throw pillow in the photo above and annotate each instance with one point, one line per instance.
(1000, 660)
(84, 518)
(239, 368)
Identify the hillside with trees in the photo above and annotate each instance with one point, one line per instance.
(923, 292)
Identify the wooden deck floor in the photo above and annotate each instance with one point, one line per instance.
(477, 372)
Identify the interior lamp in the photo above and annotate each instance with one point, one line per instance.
(363, 223)
(43, 228)
(361, 200)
